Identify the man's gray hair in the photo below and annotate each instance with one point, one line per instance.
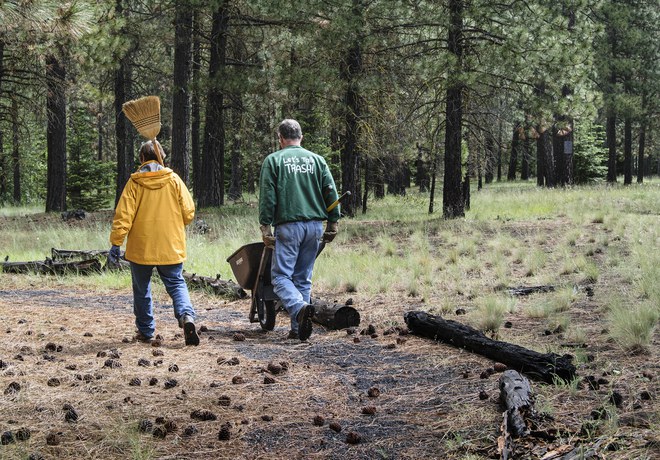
(290, 129)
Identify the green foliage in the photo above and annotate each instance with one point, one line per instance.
(90, 185)
(590, 154)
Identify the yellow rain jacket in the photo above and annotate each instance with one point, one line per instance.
(153, 211)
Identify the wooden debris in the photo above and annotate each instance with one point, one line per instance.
(50, 267)
(216, 285)
(334, 315)
(541, 366)
(516, 397)
(522, 290)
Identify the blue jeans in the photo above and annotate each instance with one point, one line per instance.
(293, 262)
(172, 277)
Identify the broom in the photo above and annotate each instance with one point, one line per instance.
(144, 113)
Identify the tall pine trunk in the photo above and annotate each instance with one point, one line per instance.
(236, 180)
(123, 128)
(611, 147)
(540, 161)
(627, 151)
(545, 146)
(180, 155)
(212, 192)
(640, 153)
(56, 134)
(515, 149)
(16, 155)
(195, 110)
(452, 193)
(350, 154)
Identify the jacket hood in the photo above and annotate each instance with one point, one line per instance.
(153, 179)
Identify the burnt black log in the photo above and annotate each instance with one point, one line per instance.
(219, 287)
(50, 267)
(522, 290)
(334, 315)
(516, 397)
(68, 254)
(547, 367)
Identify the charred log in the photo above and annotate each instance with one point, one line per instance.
(50, 267)
(216, 285)
(547, 367)
(334, 315)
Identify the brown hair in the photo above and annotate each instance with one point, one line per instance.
(151, 151)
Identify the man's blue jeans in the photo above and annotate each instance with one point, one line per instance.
(293, 262)
(172, 277)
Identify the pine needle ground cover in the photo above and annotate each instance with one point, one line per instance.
(75, 386)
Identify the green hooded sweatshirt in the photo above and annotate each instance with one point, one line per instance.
(296, 185)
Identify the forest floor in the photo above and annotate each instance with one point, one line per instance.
(75, 386)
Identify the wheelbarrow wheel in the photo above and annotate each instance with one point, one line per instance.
(266, 311)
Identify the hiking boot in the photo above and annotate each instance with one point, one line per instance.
(140, 337)
(189, 330)
(304, 319)
(292, 335)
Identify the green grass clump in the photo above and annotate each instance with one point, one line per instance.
(491, 311)
(632, 326)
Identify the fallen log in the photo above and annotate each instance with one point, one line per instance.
(50, 267)
(67, 254)
(219, 287)
(334, 315)
(522, 290)
(541, 366)
(516, 397)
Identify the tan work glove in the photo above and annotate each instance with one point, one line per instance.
(330, 231)
(267, 236)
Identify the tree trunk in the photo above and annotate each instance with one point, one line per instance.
(515, 148)
(611, 148)
(499, 151)
(56, 134)
(180, 159)
(16, 153)
(452, 193)
(212, 191)
(422, 175)
(627, 151)
(99, 132)
(524, 150)
(540, 163)
(350, 154)
(490, 157)
(3, 169)
(542, 366)
(195, 109)
(236, 180)
(640, 153)
(558, 152)
(544, 146)
(367, 182)
(434, 167)
(123, 133)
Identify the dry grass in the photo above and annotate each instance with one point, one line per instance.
(429, 405)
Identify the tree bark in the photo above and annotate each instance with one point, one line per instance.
(515, 149)
(640, 153)
(627, 151)
(611, 148)
(351, 70)
(212, 192)
(236, 180)
(452, 193)
(56, 134)
(227, 289)
(123, 136)
(546, 367)
(16, 152)
(180, 158)
(195, 109)
(516, 397)
(333, 315)
(544, 146)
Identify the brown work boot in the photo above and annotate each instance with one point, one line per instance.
(304, 319)
(189, 330)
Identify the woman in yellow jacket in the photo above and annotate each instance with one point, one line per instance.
(152, 212)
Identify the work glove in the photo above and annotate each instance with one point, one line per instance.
(114, 254)
(267, 236)
(330, 231)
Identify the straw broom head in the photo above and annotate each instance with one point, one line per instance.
(144, 113)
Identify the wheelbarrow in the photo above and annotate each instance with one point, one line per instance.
(251, 267)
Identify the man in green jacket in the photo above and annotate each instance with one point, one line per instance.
(295, 189)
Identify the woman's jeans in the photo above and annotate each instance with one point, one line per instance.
(296, 246)
(172, 277)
